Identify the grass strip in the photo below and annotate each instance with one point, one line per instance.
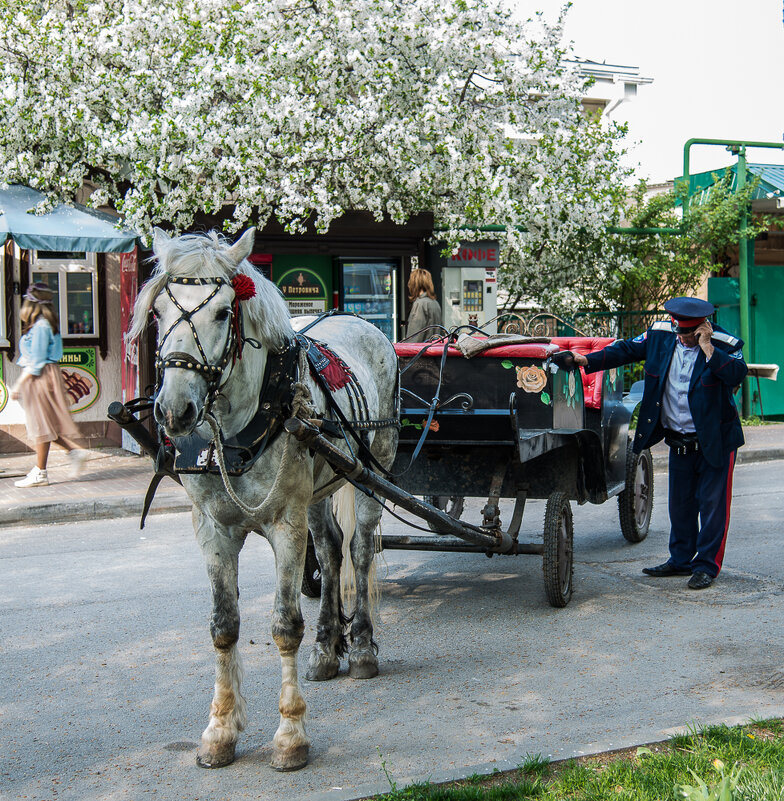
(715, 763)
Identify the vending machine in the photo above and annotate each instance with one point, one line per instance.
(469, 280)
(369, 288)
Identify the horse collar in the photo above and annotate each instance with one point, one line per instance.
(197, 455)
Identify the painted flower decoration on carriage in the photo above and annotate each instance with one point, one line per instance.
(244, 289)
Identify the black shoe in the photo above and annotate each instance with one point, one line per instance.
(699, 581)
(665, 570)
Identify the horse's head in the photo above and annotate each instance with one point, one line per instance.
(192, 295)
(196, 335)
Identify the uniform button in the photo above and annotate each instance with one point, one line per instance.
(657, 403)
(649, 419)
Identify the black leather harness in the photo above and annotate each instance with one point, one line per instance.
(194, 454)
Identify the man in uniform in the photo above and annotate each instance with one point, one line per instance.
(691, 372)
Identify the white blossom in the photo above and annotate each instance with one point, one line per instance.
(303, 110)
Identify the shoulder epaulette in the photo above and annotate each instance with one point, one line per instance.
(727, 339)
(662, 325)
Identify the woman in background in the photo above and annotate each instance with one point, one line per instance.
(425, 312)
(41, 388)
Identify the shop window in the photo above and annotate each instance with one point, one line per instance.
(73, 280)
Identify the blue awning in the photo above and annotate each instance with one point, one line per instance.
(68, 228)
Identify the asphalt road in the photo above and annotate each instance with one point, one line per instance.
(108, 666)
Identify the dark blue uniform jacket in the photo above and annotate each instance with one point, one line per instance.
(711, 398)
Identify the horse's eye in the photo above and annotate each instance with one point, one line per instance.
(222, 314)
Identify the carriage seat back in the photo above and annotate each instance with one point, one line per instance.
(592, 382)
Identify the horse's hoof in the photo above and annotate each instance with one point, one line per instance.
(290, 759)
(216, 757)
(322, 669)
(363, 669)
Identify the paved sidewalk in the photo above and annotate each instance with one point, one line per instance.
(114, 482)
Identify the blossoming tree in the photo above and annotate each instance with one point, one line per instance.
(302, 109)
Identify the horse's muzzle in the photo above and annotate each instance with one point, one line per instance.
(178, 420)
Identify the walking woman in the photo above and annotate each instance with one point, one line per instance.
(425, 312)
(41, 389)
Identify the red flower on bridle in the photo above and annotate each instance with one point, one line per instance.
(243, 285)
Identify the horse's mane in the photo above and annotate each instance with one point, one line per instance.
(205, 256)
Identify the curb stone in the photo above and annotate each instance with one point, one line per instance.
(72, 511)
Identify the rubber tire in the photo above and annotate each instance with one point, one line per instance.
(635, 503)
(451, 504)
(311, 578)
(558, 553)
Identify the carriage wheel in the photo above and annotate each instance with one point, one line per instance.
(635, 503)
(311, 578)
(557, 556)
(451, 504)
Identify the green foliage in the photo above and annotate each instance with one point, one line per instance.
(641, 271)
(534, 765)
(690, 767)
(722, 790)
(644, 270)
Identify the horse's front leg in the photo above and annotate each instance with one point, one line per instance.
(221, 547)
(289, 542)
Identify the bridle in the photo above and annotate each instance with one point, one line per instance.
(213, 373)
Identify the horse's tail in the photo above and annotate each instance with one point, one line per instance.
(343, 507)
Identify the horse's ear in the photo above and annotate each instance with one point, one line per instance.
(159, 240)
(243, 247)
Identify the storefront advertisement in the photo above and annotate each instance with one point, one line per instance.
(304, 291)
(129, 351)
(82, 387)
(3, 389)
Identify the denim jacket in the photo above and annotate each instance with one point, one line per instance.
(38, 347)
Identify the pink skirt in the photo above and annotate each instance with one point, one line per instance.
(46, 407)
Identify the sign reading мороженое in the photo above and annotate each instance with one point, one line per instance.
(475, 254)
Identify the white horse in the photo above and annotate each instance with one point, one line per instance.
(210, 390)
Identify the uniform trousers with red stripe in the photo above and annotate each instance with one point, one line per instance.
(699, 502)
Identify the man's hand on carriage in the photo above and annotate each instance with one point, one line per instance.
(567, 360)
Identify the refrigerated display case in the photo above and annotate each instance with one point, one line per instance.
(369, 289)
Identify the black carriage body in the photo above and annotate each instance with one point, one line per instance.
(513, 419)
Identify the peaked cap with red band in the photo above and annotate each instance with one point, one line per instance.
(688, 313)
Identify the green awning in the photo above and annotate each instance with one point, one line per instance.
(771, 181)
(65, 228)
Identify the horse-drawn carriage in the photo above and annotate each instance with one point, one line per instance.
(264, 419)
(510, 424)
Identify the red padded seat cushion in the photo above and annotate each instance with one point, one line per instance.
(592, 382)
(534, 350)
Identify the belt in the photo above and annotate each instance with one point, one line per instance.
(681, 443)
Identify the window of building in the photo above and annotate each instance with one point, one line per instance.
(73, 279)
